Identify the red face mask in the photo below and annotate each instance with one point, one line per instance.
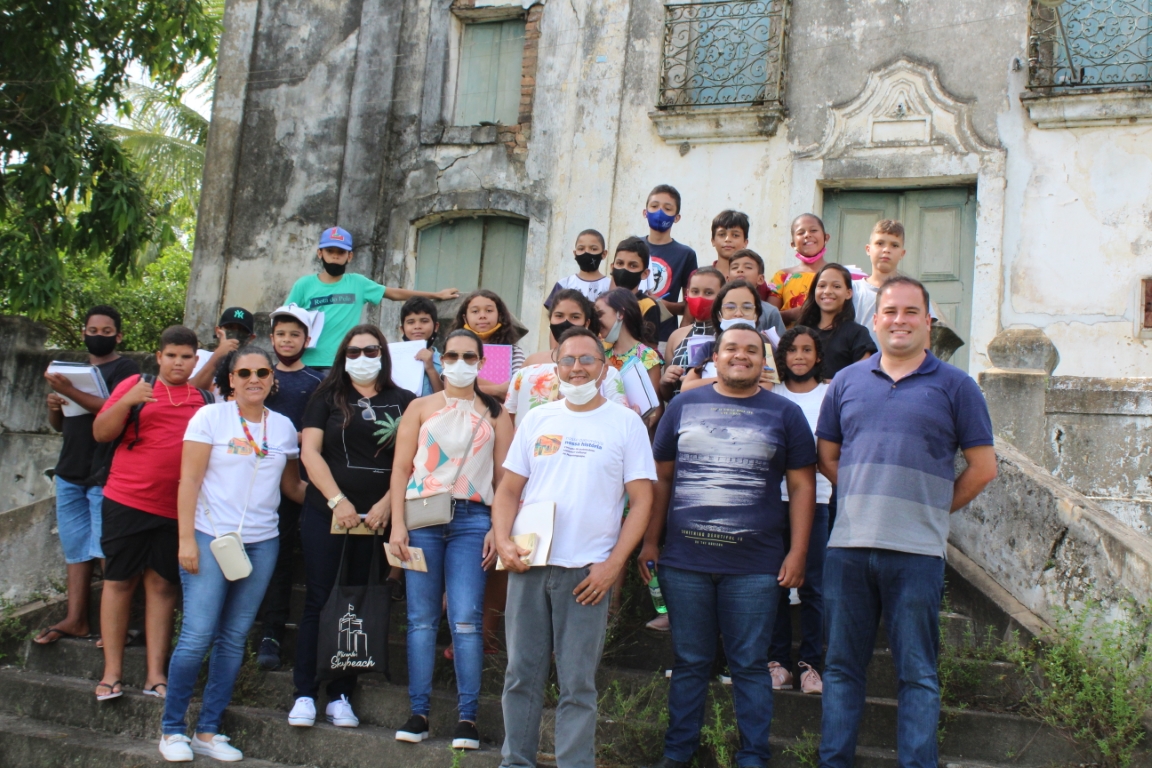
(700, 307)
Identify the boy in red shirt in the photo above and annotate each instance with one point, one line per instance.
(140, 539)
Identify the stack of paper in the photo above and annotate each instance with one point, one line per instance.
(538, 519)
(407, 371)
(638, 389)
(497, 363)
(85, 378)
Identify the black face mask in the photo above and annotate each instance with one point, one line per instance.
(100, 346)
(790, 376)
(286, 360)
(625, 278)
(589, 262)
(334, 269)
(559, 328)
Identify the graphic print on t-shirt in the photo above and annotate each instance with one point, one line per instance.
(332, 298)
(660, 276)
(722, 463)
(546, 445)
(387, 419)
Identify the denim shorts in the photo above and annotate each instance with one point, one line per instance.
(78, 520)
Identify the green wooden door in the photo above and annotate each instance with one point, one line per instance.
(940, 240)
(470, 253)
(491, 59)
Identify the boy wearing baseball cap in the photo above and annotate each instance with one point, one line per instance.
(236, 327)
(340, 297)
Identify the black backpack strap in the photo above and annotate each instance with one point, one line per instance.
(134, 414)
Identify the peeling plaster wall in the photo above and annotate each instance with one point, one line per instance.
(322, 109)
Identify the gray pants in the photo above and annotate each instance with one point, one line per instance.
(543, 616)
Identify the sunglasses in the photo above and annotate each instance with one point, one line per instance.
(247, 373)
(367, 414)
(469, 357)
(568, 361)
(354, 352)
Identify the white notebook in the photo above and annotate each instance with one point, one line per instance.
(85, 378)
(538, 518)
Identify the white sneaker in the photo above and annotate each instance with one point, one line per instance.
(218, 748)
(793, 596)
(303, 712)
(340, 714)
(175, 748)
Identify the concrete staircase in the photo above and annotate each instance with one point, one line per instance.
(49, 716)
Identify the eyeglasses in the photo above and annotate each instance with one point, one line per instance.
(354, 352)
(247, 373)
(469, 357)
(747, 307)
(367, 414)
(568, 360)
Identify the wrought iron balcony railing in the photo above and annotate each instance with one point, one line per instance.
(1089, 43)
(723, 53)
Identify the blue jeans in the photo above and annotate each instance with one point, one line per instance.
(78, 520)
(217, 615)
(742, 610)
(860, 586)
(811, 603)
(453, 553)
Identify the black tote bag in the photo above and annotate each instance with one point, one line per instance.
(354, 623)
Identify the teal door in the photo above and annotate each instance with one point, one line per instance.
(470, 253)
(940, 240)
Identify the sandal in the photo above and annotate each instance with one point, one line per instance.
(41, 639)
(115, 690)
(154, 692)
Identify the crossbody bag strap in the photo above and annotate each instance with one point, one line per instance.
(247, 498)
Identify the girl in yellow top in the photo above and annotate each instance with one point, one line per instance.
(789, 287)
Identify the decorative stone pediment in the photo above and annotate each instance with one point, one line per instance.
(904, 107)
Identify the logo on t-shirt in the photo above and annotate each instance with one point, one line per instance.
(660, 276)
(546, 445)
(239, 447)
(332, 298)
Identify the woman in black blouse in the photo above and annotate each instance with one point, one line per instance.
(346, 445)
(830, 311)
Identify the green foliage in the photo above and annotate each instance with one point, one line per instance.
(11, 628)
(1093, 680)
(149, 303)
(718, 738)
(805, 750)
(69, 189)
(635, 719)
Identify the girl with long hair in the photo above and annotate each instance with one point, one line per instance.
(485, 314)
(627, 336)
(829, 310)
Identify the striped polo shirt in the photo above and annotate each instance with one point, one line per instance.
(898, 443)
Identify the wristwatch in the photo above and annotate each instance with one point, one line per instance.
(332, 502)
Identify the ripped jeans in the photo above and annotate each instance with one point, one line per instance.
(453, 553)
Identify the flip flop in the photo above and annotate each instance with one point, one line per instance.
(59, 633)
(153, 692)
(112, 692)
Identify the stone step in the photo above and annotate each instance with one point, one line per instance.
(27, 743)
(262, 733)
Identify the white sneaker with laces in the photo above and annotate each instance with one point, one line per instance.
(810, 681)
(340, 714)
(218, 748)
(175, 748)
(303, 712)
(781, 677)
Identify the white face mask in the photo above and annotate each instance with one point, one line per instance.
(363, 370)
(726, 324)
(579, 394)
(460, 373)
(614, 334)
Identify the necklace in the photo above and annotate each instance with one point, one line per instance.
(261, 450)
(168, 391)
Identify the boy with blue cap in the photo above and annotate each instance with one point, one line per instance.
(340, 297)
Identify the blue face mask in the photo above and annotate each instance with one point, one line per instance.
(660, 221)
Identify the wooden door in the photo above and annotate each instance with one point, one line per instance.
(940, 240)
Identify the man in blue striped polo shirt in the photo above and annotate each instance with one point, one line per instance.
(888, 434)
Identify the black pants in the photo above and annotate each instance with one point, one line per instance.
(321, 567)
(279, 595)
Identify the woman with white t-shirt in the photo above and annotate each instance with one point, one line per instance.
(238, 458)
(799, 359)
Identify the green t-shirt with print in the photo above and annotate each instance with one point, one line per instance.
(341, 302)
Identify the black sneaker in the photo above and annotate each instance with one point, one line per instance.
(414, 731)
(465, 736)
(268, 657)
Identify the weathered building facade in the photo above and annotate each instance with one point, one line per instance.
(467, 142)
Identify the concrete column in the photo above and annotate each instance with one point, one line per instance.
(1017, 387)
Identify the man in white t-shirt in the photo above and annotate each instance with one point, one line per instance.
(585, 454)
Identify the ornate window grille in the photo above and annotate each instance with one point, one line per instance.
(1090, 43)
(723, 53)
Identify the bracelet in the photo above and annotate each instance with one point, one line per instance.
(335, 500)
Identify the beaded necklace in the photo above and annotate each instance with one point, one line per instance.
(261, 450)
